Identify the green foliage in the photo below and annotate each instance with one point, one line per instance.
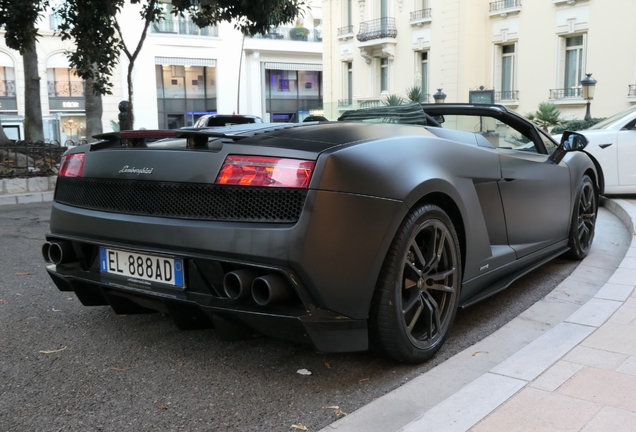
(393, 100)
(576, 125)
(114, 125)
(18, 19)
(415, 94)
(548, 115)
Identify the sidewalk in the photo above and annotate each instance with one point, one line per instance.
(566, 364)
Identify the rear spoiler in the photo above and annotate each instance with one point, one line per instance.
(196, 137)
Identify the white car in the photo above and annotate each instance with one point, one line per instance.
(613, 145)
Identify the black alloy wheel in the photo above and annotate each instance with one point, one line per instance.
(583, 220)
(418, 289)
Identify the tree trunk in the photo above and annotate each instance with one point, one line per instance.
(33, 130)
(94, 112)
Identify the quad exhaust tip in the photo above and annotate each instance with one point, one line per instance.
(58, 252)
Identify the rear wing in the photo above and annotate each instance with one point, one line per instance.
(192, 138)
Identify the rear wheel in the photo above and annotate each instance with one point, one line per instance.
(583, 220)
(418, 290)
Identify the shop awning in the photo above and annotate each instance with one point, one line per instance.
(293, 66)
(182, 61)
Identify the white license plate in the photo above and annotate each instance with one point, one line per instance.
(166, 270)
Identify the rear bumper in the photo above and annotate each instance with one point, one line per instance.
(325, 330)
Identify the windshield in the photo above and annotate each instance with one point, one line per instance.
(613, 119)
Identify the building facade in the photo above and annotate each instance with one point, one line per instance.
(526, 52)
(181, 73)
(61, 91)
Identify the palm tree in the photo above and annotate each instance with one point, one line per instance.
(547, 116)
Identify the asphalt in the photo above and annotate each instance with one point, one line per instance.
(568, 363)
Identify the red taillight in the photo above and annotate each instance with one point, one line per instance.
(72, 165)
(265, 171)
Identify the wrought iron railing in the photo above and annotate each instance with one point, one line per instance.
(66, 89)
(377, 29)
(183, 27)
(420, 14)
(7, 88)
(345, 102)
(575, 92)
(345, 30)
(22, 159)
(507, 95)
(631, 91)
(504, 4)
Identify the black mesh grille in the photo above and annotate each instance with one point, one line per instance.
(182, 200)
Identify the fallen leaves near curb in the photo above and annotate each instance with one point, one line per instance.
(328, 365)
(52, 351)
(337, 411)
(116, 369)
(22, 273)
(166, 407)
(180, 363)
(479, 352)
(298, 426)
(363, 380)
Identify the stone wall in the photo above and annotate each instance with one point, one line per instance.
(27, 190)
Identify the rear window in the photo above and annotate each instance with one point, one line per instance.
(228, 121)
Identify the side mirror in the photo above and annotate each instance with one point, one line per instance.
(573, 141)
(570, 141)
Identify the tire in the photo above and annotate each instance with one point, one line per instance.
(417, 293)
(583, 222)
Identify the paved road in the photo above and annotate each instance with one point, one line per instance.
(65, 367)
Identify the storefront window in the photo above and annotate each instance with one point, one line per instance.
(184, 93)
(292, 95)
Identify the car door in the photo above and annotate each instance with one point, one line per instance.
(535, 192)
(626, 147)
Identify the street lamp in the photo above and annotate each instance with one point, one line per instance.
(588, 84)
(439, 96)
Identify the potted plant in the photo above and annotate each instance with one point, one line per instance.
(299, 32)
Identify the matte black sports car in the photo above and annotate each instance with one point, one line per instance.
(341, 234)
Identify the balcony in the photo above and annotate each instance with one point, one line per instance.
(73, 89)
(183, 27)
(507, 95)
(291, 33)
(575, 92)
(345, 32)
(420, 17)
(567, 96)
(566, 2)
(380, 28)
(7, 88)
(345, 103)
(504, 8)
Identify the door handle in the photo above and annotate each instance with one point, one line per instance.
(604, 146)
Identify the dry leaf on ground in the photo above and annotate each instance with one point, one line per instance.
(298, 426)
(52, 351)
(479, 352)
(363, 380)
(22, 273)
(328, 365)
(165, 407)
